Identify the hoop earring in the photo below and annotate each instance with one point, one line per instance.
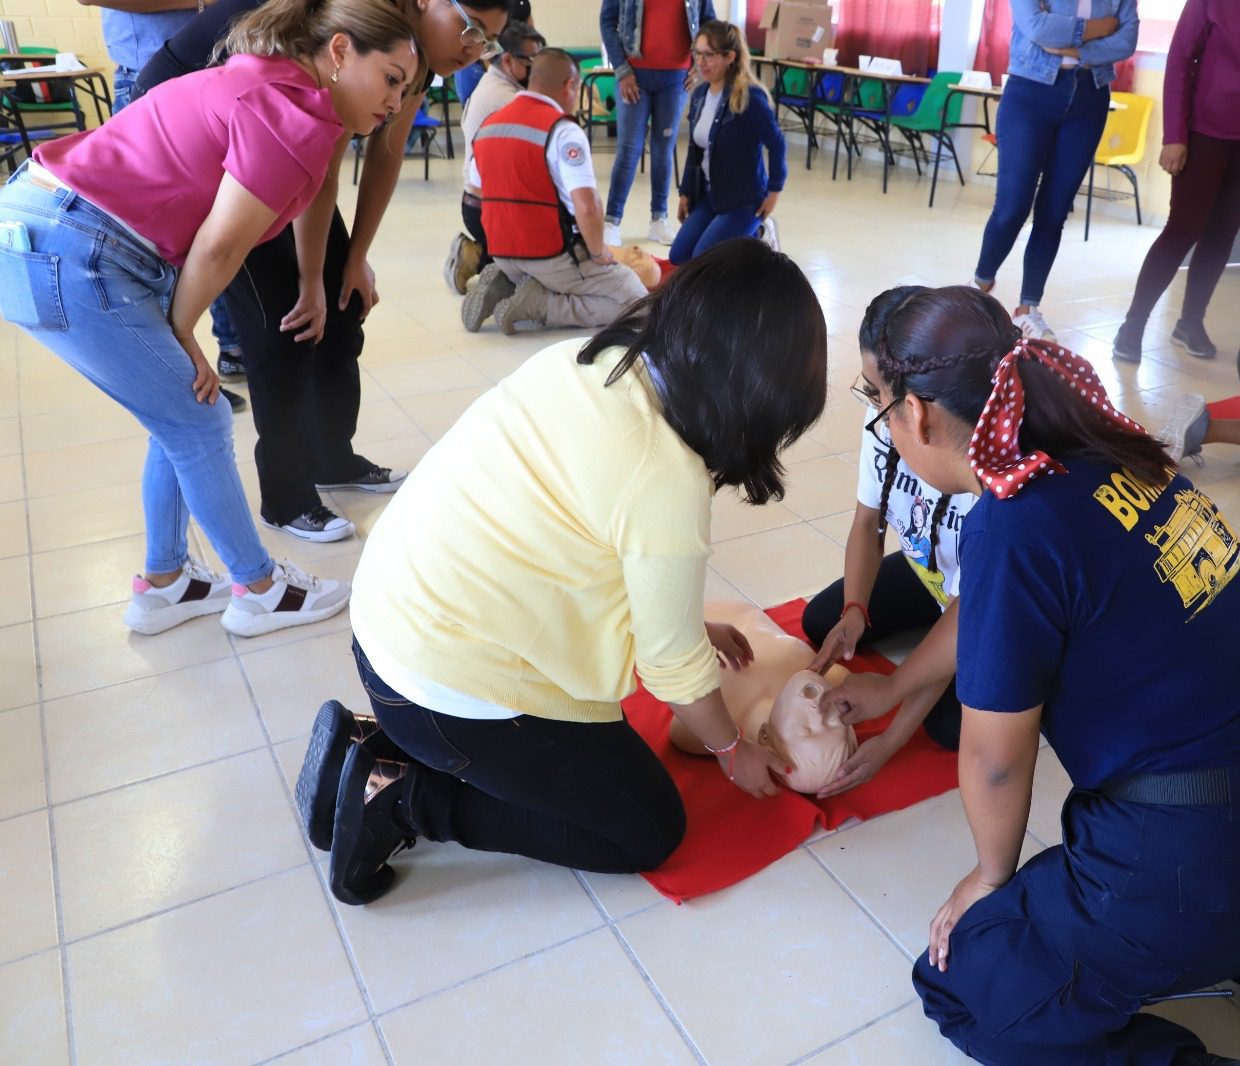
(335, 75)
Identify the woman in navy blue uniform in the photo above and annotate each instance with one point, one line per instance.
(1096, 607)
(725, 191)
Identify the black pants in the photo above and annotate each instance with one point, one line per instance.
(305, 396)
(899, 602)
(590, 796)
(471, 215)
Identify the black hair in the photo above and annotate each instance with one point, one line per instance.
(944, 345)
(738, 346)
(515, 34)
(487, 5)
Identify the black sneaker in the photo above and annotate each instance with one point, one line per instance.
(1127, 344)
(235, 400)
(336, 729)
(376, 479)
(1192, 337)
(371, 824)
(230, 366)
(320, 524)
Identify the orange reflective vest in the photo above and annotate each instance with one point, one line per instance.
(522, 213)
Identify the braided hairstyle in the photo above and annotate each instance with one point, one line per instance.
(873, 339)
(944, 345)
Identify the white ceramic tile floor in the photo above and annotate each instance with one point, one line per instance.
(157, 902)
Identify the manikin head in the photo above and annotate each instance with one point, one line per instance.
(641, 262)
(806, 735)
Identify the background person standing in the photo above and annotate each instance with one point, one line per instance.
(648, 44)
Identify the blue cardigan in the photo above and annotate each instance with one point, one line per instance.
(738, 175)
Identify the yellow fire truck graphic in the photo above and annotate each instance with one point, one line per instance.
(1199, 552)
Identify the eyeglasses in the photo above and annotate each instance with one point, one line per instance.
(696, 55)
(872, 424)
(474, 35)
(863, 392)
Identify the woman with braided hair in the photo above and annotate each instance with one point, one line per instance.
(884, 595)
(1095, 608)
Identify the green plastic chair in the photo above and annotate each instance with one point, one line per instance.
(444, 96)
(35, 115)
(934, 117)
(604, 86)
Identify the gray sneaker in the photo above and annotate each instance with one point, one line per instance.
(1185, 430)
(294, 599)
(375, 479)
(527, 304)
(492, 287)
(320, 524)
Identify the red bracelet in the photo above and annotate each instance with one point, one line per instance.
(860, 607)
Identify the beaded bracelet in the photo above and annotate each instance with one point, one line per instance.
(729, 751)
(860, 607)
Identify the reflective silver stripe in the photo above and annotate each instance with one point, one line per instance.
(514, 131)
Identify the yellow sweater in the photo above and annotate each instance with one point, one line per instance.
(554, 541)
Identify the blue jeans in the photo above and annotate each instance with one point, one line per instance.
(1047, 136)
(705, 227)
(122, 88)
(99, 300)
(660, 104)
(221, 324)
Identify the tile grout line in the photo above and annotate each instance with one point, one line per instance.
(647, 979)
(853, 1032)
(171, 907)
(861, 906)
(53, 852)
(290, 800)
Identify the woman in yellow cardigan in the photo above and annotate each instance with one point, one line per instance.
(551, 546)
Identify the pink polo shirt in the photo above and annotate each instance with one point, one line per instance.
(157, 165)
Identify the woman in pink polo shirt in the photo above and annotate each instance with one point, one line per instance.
(113, 242)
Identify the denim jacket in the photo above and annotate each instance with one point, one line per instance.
(1041, 24)
(620, 23)
(737, 171)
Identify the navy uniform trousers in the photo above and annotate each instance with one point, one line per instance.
(1139, 901)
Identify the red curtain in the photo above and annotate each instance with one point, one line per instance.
(992, 46)
(754, 37)
(907, 30)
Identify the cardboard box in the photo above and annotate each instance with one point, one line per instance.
(796, 29)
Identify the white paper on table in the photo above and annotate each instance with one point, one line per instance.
(885, 66)
(68, 61)
(1005, 80)
(976, 79)
(863, 62)
(830, 56)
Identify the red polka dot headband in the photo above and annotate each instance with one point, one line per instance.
(994, 451)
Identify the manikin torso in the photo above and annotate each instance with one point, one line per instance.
(776, 700)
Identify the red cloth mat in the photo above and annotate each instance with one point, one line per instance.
(731, 835)
(1228, 408)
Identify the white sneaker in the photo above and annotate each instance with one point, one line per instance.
(1034, 326)
(196, 592)
(321, 524)
(294, 599)
(1185, 431)
(768, 233)
(611, 234)
(662, 230)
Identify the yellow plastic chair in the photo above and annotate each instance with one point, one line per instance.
(1122, 145)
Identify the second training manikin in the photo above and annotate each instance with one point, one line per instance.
(777, 701)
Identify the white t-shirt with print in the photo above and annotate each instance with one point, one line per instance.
(910, 506)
